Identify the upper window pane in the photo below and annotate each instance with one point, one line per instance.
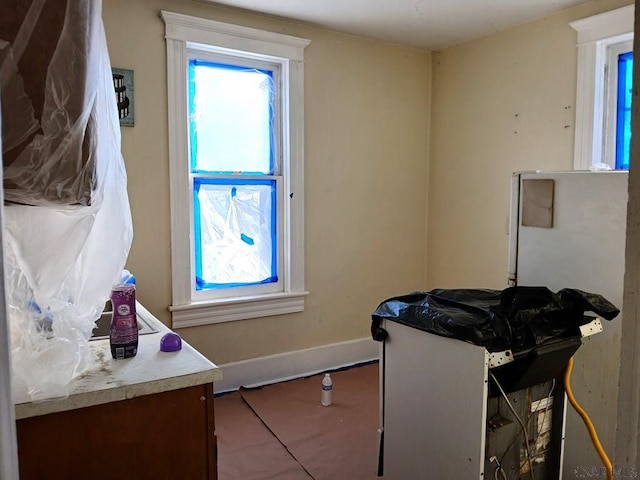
(231, 111)
(623, 124)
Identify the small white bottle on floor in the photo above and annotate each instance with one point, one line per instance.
(327, 387)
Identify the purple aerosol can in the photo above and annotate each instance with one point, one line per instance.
(123, 336)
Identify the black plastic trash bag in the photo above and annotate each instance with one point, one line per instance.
(516, 318)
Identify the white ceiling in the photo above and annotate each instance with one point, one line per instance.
(427, 24)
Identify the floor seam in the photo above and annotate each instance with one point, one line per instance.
(274, 434)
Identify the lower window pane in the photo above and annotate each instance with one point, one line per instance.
(235, 232)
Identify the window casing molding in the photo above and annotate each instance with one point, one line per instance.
(595, 37)
(184, 34)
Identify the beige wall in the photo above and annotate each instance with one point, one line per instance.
(366, 126)
(500, 104)
(496, 105)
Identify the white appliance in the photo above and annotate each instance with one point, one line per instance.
(442, 415)
(433, 406)
(568, 230)
(436, 412)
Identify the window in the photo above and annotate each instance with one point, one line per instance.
(603, 103)
(617, 105)
(236, 171)
(623, 87)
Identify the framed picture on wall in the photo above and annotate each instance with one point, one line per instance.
(123, 85)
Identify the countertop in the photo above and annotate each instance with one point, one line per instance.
(150, 371)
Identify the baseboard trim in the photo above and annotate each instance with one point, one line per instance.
(261, 371)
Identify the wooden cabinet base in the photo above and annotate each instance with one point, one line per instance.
(164, 435)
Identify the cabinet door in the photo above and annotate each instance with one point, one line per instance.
(164, 435)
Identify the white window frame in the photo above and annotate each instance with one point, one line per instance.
(183, 34)
(597, 37)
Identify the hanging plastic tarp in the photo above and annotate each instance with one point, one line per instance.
(68, 224)
(516, 318)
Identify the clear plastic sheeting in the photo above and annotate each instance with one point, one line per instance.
(67, 221)
(235, 232)
(49, 88)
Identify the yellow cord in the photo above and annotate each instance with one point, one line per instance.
(586, 420)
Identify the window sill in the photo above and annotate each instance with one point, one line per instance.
(230, 309)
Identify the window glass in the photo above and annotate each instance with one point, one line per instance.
(231, 118)
(623, 110)
(235, 232)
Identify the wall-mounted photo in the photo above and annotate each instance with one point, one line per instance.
(123, 84)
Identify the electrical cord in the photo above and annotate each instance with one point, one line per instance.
(499, 470)
(522, 425)
(587, 421)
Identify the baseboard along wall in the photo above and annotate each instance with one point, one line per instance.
(256, 372)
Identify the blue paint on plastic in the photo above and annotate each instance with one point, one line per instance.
(246, 239)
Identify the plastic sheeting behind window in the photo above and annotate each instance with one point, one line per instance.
(235, 229)
(64, 255)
